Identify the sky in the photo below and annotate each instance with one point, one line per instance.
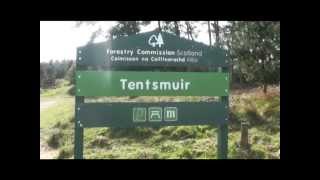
(59, 39)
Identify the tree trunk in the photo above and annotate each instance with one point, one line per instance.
(159, 26)
(240, 76)
(264, 78)
(176, 27)
(216, 31)
(209, 31)
(265, 86)
(231, 71)
(189, 30)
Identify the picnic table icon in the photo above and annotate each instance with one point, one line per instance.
(155, 114)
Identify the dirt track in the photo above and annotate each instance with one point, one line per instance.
(46, 104)
(45, 151)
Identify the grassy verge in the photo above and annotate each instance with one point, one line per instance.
(61, 90)
(61, 111)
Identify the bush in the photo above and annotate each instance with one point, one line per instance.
(183, 132)
(100, 141)
(65, 152)
(71, 119)
(72, 91)
(257, 153)
(253, 117)
(145, 154)
(59, 82)
(185, 153)
(167, 147)
(167, 131)
(156, 139)
(54, 140)
(136, 133)
(61, 125)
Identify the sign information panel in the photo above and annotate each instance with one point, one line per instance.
(151, 49)
(134, 83)
(97, 75)
(152, 114)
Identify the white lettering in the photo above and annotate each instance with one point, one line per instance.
(165, 86)
(131, 85)
(148, 84)
(120, 51)
(123, 81)
(187, 85)
(156, 85)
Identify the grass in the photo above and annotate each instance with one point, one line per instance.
(172, 142)
(56, 120)
(61, 111)
(59, 91)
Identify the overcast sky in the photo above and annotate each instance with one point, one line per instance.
(59, 39)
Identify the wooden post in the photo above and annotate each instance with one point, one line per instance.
(244, 142)
(78, 133)
(78, 128)
(223, 129)
(223, 141)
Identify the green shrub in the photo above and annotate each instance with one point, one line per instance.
(100, 142)
(102, 131)
(257, 153)
(135, 133)
(253, 117)
(167, 147)
(183, 132)
(54, 140)
(167, 131)
(72, 90)
(204, 129)
(61, 125)
(156, 139)
(146, 154)
(59, 82)
(185, 154)
(71, 119)
(65, 152)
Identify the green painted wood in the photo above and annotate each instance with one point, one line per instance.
(223, 141)
(145, 114)
(78, 133)
(137, 83)
(135, 50)
(223, 129)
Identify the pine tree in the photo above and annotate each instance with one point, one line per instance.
(255, 50)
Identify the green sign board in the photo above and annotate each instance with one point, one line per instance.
(152, 114)
(134, 83)
(150, 49)
(95, 76)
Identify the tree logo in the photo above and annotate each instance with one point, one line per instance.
(154, 40)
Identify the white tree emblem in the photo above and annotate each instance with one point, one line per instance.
(154, 40)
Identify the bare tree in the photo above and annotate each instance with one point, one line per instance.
(159, 26)
(209, 32)
(189, 30)
(176, 27)
(217, 32)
